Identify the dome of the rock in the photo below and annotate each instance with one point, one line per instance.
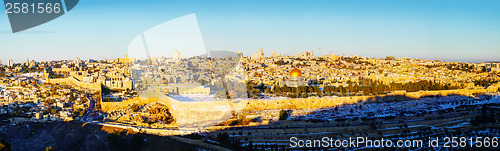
(295, 73)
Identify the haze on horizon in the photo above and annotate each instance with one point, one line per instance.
(465, 31)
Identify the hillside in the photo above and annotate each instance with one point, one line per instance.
(80, 136)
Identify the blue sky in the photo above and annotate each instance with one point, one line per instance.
(444, 30)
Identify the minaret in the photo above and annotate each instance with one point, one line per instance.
(240, 55)
(260, 52)
(27, 61)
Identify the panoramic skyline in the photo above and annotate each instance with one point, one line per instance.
(249, 75)
(467, 31)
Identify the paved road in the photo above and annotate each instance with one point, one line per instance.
(90, 109)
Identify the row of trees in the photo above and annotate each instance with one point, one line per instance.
(365, 87)
(2, 72)
(25, 69)
(485, 82)
(460, 66)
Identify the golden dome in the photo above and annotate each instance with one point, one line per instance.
(295, 73)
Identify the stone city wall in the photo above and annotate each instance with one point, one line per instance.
(111, 106)
(275, 104)
(203, 114)
(305, 103)
(464, 92)
(75, 82)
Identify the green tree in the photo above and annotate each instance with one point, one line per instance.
(267, 90)
(71, 96)
(310, 89)
(135, 108)
(82, 112)
(284, 114)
